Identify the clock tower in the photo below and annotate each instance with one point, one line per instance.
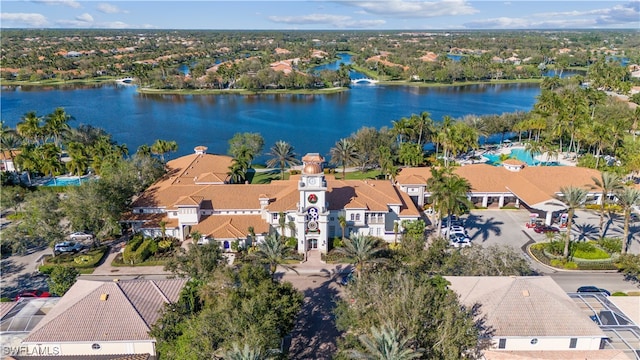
(313, 212)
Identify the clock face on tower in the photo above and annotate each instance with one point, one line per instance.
(312, 180)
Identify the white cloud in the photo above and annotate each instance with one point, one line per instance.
(96, 25)
(339, 21)
(527, 23)
(414, 9)
(110, 9)
(617, 15)
(70, 3)
(24, 19)
(85, 17)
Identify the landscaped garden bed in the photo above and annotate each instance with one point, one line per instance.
(583, 255)
(141, 251)
(84, 262)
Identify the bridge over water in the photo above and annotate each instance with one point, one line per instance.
(127, 80)
(364, 81)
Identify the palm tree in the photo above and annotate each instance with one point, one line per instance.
(342, 220)
(448, 193)
(30, 127)
(282, 154)
(238, 171)
(248, 353)
(627, 198)
(144, 150)
(28, 160)
(344, 153)
(385, 343)
(161, 147)
(573, 197)
(363, 250)
(274, 252)
(56, 124)
(608, 184)
(10, 142)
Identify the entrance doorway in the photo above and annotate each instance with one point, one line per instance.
(313, 244)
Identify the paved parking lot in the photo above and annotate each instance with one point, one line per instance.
(507, 227)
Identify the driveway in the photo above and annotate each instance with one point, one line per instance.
(19, 272)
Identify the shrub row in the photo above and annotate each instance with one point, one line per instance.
(137, 254)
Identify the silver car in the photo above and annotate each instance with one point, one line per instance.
(79, 235)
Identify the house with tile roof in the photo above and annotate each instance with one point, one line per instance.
(96, 318)
(308, 204)
(535, 187)
(532, 317)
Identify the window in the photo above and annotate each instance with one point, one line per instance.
(357, 217)
(573, 342)
(502, 344)
(274, 216)
(95, 346)
(353, 217)
(534, 341)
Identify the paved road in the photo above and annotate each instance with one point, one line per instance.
(570, 281)
(17, 273)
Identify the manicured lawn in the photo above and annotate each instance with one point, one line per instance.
(267, 176)
(360, 175)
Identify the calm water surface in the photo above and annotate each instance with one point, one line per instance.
(311, 123)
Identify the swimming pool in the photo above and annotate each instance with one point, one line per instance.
(66, 181)
(520, 154)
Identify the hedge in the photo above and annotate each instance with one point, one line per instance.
(134, 255)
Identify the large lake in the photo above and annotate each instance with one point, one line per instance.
(311, 123)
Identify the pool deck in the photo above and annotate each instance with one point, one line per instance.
(506, 149)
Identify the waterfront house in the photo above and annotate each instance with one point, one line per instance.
(195, 196)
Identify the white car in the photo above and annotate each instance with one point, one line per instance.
(453, 229)
(79, 235)
(459, 240)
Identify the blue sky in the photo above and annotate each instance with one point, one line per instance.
(321, 14)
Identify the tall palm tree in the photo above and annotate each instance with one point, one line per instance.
(573, 197)
(30, 127)
(344, 153)
(10, 142)
(282, 154)
(363, 250)
(238, 170)
(162, 147)
(342, 220)
(274, 252)
(385, 343)
(449, 193)
(608, 184)
(627, 198)
(56, 124)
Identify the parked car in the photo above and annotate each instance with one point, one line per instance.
(459, 240)
(67, 247)
(453, 229)
(79, 235)
(593, 289)
(545, 229)
(27, 294)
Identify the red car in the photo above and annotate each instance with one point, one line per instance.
(545, 229)
(26, 294)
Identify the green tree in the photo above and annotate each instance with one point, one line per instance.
(449, 193)
(573, 197)
(249, 353)
(282, 154)
(608, 183)
(56, 125)
(246, 145)
(198, 262)
(362, 250)
(162, 147)
(344, 153)
(275, 253)
(30, 127)
(61, 279)
(385, 343)
(627, 198)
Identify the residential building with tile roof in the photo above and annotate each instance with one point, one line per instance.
(104, 318)
(531, 315)
(535, 187)
(309, 204)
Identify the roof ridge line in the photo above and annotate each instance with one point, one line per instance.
(166, 299)
(135, 308)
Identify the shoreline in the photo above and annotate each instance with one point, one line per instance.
(245, 92)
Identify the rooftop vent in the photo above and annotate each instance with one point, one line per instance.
(104, 297)
(525, 293)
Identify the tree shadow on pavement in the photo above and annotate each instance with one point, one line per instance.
(315, 333)
(22, 282)
(9, 267)
(586, 231)
(484, 227)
